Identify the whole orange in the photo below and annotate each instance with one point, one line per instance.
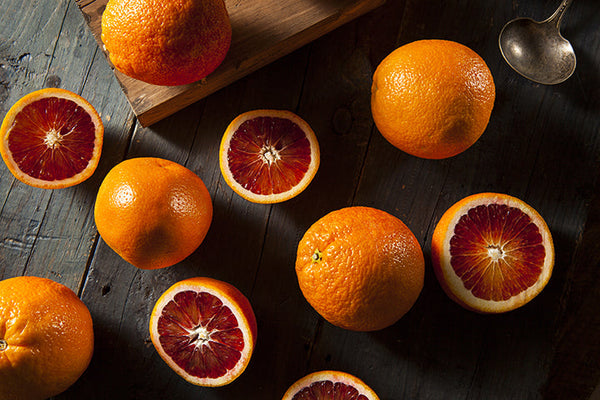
(152, 212)
(432, 98)
(360, 268)
(46, 338)
(172, 42)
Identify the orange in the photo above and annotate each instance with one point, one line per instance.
(492, 252)
(51, 139)
(330, 385)
(205, 330)
(360, 268)
(432, 98)
(46, 338)
(172, 42)
(269, 156)
(152, 212)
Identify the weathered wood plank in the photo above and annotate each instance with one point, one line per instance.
(575, 367)
(59, 231)
(119, 293)
(23, 63)
(438, 348)
(542, 144)
(335, 102)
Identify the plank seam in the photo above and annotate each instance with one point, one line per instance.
(88, 71)
(297, 111)
(12, 184)
(303, 85)
(196, 132)
(359, 178)
(318, 328)
(262, 249)
(88, 265)
(36, 236)
(52, 54)
(312, 343)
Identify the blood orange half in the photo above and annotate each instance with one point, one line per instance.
(51, 139)
(330, 385)
(268, 156)
(492, 252)
(205, 330)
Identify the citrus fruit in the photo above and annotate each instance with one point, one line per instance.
(173, 42)
(51, 139)
(46, 338)
(268, 156)
(432, 98)
(205, 330)
(330, 385)
(152, 212)
(360, 268)
(492, 252)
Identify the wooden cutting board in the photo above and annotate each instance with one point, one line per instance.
(263, 31)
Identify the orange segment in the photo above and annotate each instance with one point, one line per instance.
(51, 139)
(268, 156)
(492, 252)
(205, 330)
(330, 385)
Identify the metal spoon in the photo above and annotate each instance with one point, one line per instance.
(537, 50)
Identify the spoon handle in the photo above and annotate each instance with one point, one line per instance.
(558, 14)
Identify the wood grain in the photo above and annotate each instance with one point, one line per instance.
(542, 145)
(52, 233)
(263, 31)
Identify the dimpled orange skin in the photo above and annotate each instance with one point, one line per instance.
(360, 268)
(432, 98)
(46, 338)
(152, 212)
(173, 42)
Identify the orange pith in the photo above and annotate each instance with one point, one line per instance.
(329, 385)
(172, 42)
(153, 212)
(492, 252)
(522, 252)
(268, 156)
(46, 338)
(205, 330)
(260, 136)
(360, 268)
(432, 98)
(51, 139)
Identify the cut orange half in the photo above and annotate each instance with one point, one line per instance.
(330, 385)
(51, 139)
(492, 252)
(268, 156)
(205, 330)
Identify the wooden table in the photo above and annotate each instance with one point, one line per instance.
(542, 145)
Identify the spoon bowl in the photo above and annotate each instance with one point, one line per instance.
(537, 50)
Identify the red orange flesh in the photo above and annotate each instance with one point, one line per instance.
(51, 139)
(492, 252)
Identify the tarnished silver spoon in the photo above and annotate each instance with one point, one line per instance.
(537, 50)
